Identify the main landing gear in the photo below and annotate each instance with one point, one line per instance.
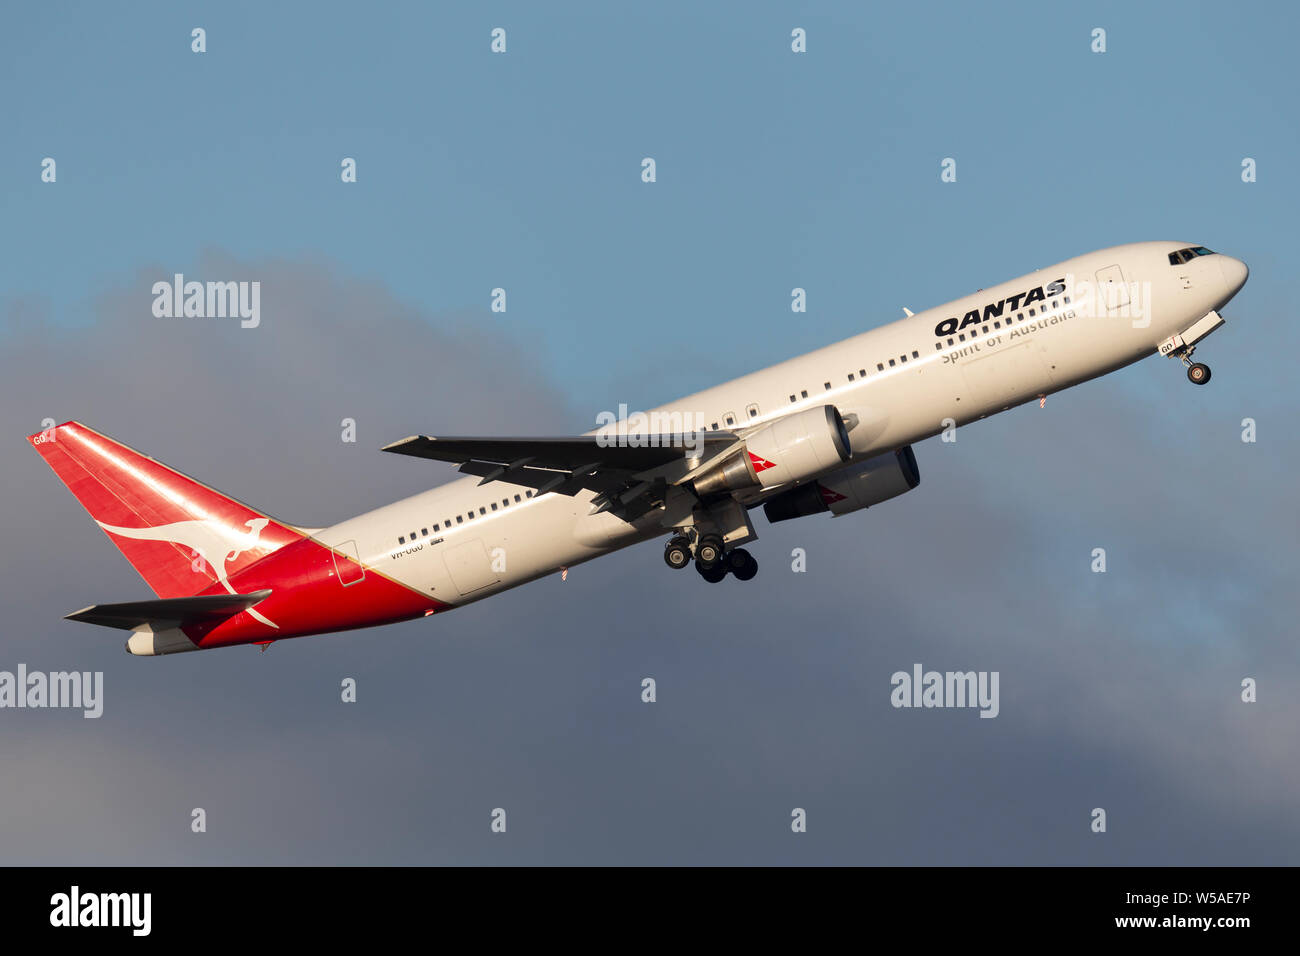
(712, 560)
(677, 553)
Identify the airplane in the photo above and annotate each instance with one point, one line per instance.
(828, 431)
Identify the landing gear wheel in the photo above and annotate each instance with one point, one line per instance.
(708, 552)
(742, 564)
(1198, 374)
(713, 574)
(677, 553)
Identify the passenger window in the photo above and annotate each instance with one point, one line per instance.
(459, 520)
(916, 354)
(752, 410)
(850, 376)
(482, 511)
(401, 541)
(424, 532)
(437, 528)
(891, 363)
(950, 341)
(828, 386)
(792, 397)
(862, 372)
(516, 498)
(804, 393)
(880, 366)
(494, 506)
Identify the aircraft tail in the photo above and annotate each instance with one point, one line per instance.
(181, 536)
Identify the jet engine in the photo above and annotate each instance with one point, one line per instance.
(791, 449)
(850, 489)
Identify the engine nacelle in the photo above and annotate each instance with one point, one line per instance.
(849, 489)
(791, 449)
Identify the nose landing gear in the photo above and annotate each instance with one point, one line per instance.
(1183, 345)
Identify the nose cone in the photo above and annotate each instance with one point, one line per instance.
(1235, 273)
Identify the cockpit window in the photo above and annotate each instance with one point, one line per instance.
(1188, 254)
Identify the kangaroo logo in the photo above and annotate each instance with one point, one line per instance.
(212, 541)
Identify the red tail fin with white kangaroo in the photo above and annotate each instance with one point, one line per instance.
(181, 535)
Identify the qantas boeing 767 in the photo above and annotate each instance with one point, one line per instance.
(828, 431)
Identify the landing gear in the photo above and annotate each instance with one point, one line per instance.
(1197, 373)
(677, 553)
(713, 574)
(742, 564)
(713, 561)
(709, 551)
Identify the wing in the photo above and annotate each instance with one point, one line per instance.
(627, 473)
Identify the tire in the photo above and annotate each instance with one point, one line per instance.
(677, 554)
(712, 574)
(737, 560)
(747, 572)
(1198, 374)
(708, 551)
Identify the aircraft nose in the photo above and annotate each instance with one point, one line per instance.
(1235, 273)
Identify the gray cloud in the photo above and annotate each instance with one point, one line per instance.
(1118, 690)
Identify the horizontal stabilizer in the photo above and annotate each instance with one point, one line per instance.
(168, 612)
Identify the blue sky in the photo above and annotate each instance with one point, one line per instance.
(521, 170)
(775, 170)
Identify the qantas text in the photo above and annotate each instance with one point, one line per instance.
(991, 311)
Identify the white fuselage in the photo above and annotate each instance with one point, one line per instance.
(915, 384)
